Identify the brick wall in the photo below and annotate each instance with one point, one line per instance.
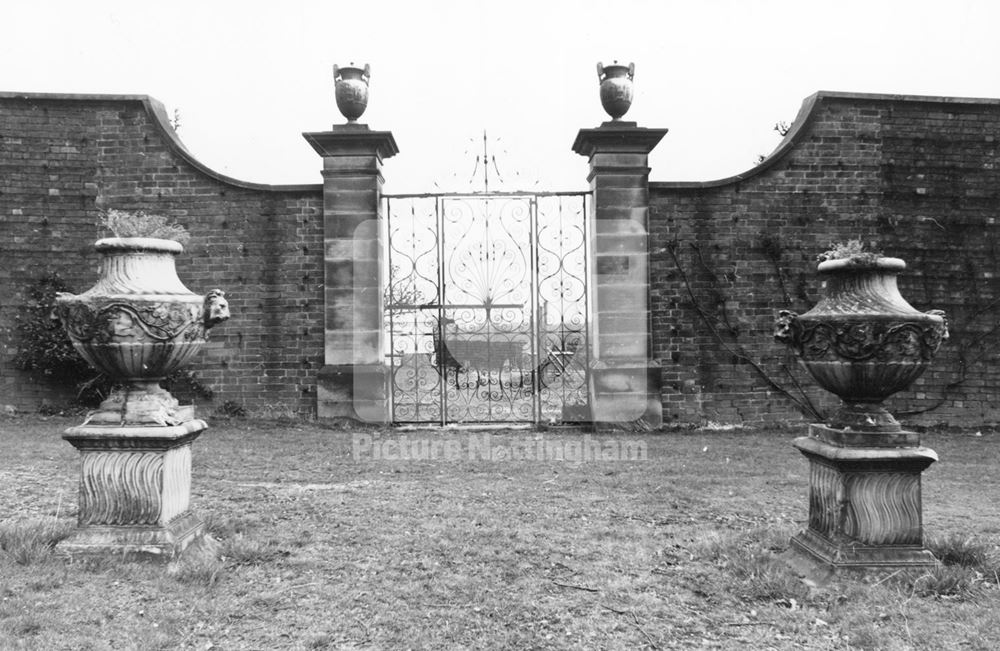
(919, 176)
(64, 158)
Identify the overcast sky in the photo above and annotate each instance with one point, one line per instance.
(247, 78)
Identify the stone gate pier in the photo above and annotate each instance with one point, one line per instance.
(624, 378)
(353, 380)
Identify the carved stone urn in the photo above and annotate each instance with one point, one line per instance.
(138, 324)
(351, 90)
(616, 88)
(863, 342)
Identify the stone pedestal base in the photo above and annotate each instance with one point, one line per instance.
(159, 543)
(355, 391)
(625, 393)
(865, 506)
(140, 403)
(135, 488)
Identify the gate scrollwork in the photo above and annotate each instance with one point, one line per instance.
(486, 307)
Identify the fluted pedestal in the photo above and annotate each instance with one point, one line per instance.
(865, 506)
(135, 488)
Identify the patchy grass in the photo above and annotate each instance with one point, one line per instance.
(317, 549)
(201, 563)
(31, 540)
(965, 551)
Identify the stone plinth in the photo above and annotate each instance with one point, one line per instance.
(865, 507)
(354, 379)
(135, 488)
(624, 379)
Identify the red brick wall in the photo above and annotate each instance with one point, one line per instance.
(919, 176)
(63, 158)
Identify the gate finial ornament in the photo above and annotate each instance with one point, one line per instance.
(616, 88)
(351, 90)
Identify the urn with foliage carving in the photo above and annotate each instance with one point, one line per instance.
(863, 341)
(138, 324)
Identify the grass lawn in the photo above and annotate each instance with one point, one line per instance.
(321, 550)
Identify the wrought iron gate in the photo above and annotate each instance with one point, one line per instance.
(486, 307)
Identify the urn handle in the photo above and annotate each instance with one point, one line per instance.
(216, 308)
(600, 71)
(783, 326)
(54, 314)
(366, 73)
(944, 321)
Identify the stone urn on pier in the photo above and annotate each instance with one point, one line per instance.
(616, 88)
(863, 342)
(351, 90)
(138, 324)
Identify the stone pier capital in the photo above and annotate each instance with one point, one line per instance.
(617, 137)
(352, 139)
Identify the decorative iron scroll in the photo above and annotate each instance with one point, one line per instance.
(486, 307)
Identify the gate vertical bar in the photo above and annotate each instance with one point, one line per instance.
(536, 315)
(390, 309)
(441, 293)
(488, 323)
(588, 303)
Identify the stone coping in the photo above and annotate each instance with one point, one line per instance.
(161, 122)
(800, 128)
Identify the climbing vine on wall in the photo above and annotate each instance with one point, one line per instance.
(727, 330)
(42, 344)
(973, 340)
(44, 349)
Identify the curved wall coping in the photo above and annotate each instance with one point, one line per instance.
(800, 128)
(158, 114)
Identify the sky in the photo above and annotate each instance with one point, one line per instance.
(247, 78)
